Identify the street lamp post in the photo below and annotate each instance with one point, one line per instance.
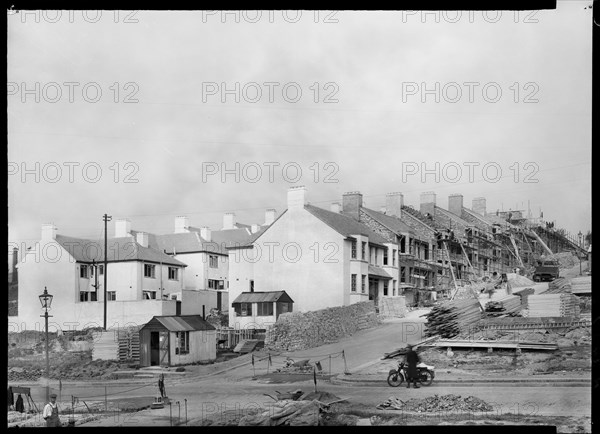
(578, 252)
(46, 300)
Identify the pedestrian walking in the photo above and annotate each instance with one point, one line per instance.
(19, 406)
(161, 385)
(412, 358)
(50, 413)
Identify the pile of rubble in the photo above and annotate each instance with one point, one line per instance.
(286, 413)
(301, 366)
(436, 403)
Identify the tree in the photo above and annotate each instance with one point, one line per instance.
(588, 237)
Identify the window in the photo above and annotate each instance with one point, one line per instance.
(363, 284)
(149, 271)
(394, 257)
(364, 250)
(246, 309)
(93, 296)
(111, 295)
(83, 271)
(385, 287)
(376, 250)
(393, 287)
(353, 249)
(149, 295)
(251, 285)
(101, 270)
(173, 273)
(385, 257)
(264, 309)
(84, 296)
(216, 284)
(353, 283)
(173, 297)
(403, 274)
(183, 342)
(213, 261)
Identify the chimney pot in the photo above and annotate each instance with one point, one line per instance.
(455, 204)
(122, 228)
(428, 203)
(228, 220)
(394, 203)
(270, 216)
(296, 197)
(142, 239)
(48, 232)
(206, 233)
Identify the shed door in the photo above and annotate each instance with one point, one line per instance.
(154, 349)
(164, 348)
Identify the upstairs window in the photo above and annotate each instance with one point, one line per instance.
(353, 249)
(173, 273)
(213, 261)
(83, 271)
(150, 271)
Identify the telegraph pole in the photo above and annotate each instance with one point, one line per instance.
(106, 219)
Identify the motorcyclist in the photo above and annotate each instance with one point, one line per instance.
(412, 359)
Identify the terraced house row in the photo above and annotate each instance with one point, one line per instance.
(305, 258)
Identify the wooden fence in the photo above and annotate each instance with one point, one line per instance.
(229, 337)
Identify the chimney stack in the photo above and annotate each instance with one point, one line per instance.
(182, 224)
(205, 233)
(48, 232)
(336, 207)
(142, 239)
(428, 203)
(228, 220)
(296, 197)
(479, 205)
(351, 204)
(393, 204)
(254, 228)
(455, 204)
(270, 216)
(122, 228)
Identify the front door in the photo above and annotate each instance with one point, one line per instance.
(154, 349)
(374, 290)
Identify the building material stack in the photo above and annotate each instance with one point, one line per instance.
(524, 294)
(392, 306)
(450, 318)
(509, 305)
(558, 285)
(563, 304)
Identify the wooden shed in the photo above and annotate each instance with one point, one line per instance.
(177, 340)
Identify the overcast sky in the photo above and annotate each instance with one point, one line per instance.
(360, 123)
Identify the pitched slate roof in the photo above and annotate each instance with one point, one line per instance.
(344, 224)
(119, 249)
(263, 297)
(393, 223)
(180, 323)
(419, 216)
(452, 216)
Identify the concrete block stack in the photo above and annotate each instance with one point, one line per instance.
(563, 304)
(392, 306)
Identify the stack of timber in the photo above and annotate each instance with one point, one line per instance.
(524, 294)
(392, 306)
(450, 318)
(509, 305)
(553, 305)
(558, 285)
(581, 285)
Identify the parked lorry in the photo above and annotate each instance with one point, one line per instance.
(546, 270)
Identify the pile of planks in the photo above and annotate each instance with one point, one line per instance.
(524, 294)
(562, 304)
(450, 318)
(581, 285)
(558, 285)
(508, 305)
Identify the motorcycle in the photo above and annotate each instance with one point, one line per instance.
(396, 377)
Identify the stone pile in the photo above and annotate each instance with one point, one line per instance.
(436, 403)
(303, 330)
